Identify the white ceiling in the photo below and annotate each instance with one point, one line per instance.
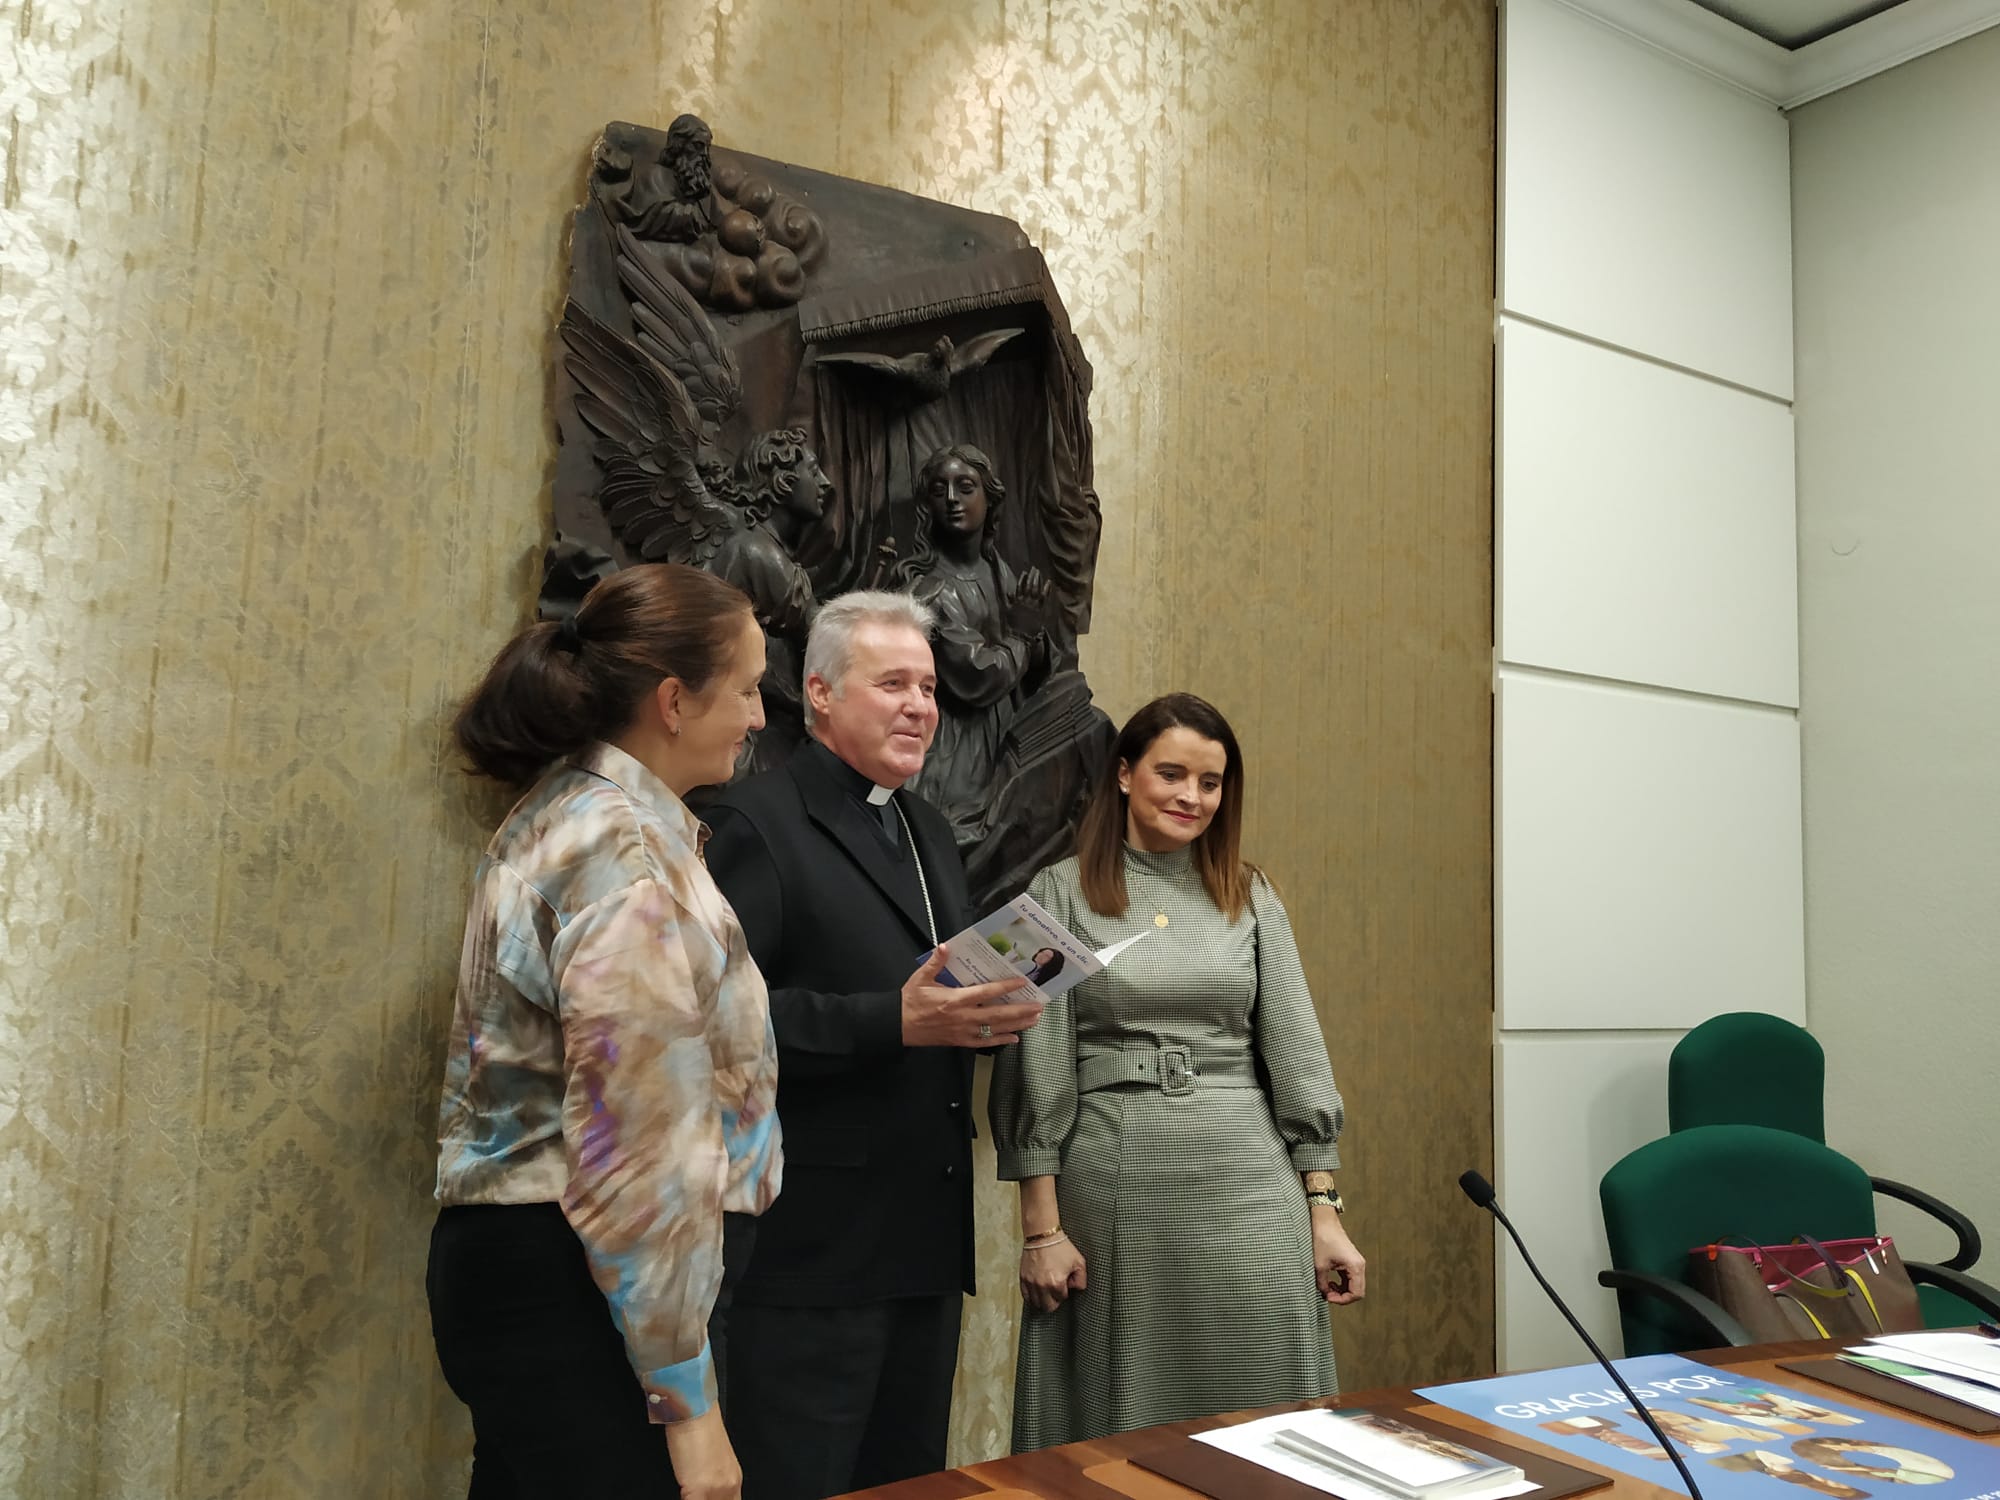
(1796, 23)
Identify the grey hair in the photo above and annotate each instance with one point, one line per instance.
(830, 643)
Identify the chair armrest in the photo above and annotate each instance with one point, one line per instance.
(1967, 1252)
(1971, 1288)
(1699, 1309)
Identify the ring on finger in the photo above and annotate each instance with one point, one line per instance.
(985, 1030)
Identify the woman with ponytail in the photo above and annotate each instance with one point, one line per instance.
(607, 1132)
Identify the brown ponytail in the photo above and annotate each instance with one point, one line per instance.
(554, 687)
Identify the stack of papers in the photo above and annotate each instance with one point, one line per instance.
(1962, 1366)
(1365, 1455)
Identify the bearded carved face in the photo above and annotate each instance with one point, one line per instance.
(686, 156)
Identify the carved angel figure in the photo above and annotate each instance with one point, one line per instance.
(670, 494)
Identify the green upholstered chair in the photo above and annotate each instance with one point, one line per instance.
(1748, 1068)
(1729, 1182)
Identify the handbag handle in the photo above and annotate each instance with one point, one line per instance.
(1867, 1296)
(1850, 1281)
(1797, 1283)
(1856, 1282)
(1820, 1250)
(1808, 1313)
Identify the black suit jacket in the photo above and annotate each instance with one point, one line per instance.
(877, 1197)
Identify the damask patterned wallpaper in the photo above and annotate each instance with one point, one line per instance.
(276, 289)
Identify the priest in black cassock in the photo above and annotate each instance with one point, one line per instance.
(843, 1337)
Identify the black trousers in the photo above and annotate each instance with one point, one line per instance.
(823, 1400)
(527, 1342)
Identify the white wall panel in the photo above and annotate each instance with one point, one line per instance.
(1899, 360)
(1642, 203)
(1568, 1108)
(1648, 858)
(1645, 522)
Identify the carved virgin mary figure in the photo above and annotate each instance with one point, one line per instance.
(1017, 736)
(990, 653)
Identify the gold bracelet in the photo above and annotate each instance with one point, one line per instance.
(1046, 1242)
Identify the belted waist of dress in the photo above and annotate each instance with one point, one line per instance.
(1172, 1070)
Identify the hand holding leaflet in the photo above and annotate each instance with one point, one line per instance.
(1021, 940)
(938, 1011)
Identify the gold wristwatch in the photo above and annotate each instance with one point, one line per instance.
(1327, 1197)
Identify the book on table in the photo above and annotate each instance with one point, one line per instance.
(1384, 1455)
(1392, 1455)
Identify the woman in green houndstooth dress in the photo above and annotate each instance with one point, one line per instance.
(1173, 1120)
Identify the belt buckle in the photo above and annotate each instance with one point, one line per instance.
(1177, 1071)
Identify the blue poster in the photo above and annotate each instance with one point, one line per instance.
(1740, 1437)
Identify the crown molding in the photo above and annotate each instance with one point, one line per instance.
(1884, 41)
(1780, 77)
(1699, 38)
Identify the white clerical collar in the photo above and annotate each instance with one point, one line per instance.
(877, 795)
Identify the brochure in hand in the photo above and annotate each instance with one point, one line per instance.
(1022, 939)
(1366, 1455)
(1741, 1436)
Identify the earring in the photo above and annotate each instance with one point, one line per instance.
(673, 729)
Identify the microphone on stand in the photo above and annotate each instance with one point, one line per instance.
(1480, 1191)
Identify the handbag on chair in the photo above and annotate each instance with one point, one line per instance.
(1810, 1289)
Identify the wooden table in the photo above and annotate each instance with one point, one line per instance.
(1099, 1470)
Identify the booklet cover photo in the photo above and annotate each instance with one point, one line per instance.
(1741, 1437)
